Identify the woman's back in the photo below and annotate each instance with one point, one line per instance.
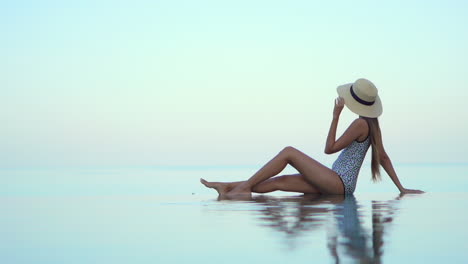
(349, 162)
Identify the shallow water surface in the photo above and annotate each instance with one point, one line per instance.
(138, 219)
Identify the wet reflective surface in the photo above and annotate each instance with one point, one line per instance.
(128, 224)
(342, 219)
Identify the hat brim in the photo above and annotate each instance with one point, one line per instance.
(374, 110)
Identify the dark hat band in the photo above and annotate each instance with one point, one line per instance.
(364, 102)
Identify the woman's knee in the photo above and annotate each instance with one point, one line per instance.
(289, 153)
(289, 150)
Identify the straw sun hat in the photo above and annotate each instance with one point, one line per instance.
(361, 97)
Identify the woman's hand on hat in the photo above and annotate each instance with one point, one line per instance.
(339, 104)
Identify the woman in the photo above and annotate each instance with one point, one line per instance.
(361, 97)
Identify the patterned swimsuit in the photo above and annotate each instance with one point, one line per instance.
(349, 163)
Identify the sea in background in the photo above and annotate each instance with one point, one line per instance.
(111, 83)
(164, 215)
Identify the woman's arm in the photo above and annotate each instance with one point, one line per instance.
(339, 104)
(355, 130)
(386, 163)
(388, 167)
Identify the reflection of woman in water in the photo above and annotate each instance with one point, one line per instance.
(296, 215)
(353, 237)
(361, 98)
(347, 236)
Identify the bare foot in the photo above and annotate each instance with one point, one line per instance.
(240, 191)
(245, 196)
(236, 197)
(220, 187)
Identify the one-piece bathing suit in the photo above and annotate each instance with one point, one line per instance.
(349, 163)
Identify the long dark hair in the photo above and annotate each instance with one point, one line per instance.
(376, 141)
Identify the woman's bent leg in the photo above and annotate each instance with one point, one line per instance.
(272, 168)
(319, 176)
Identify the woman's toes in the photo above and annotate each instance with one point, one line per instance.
(205, 182)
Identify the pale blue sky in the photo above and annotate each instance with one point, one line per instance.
(106, 83)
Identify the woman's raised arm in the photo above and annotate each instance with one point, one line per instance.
(352, 133)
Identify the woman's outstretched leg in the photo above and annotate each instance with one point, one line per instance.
(319, 176)
(286, 183)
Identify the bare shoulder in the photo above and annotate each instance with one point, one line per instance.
(357, 128)
(360, 123)
(361, 127)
